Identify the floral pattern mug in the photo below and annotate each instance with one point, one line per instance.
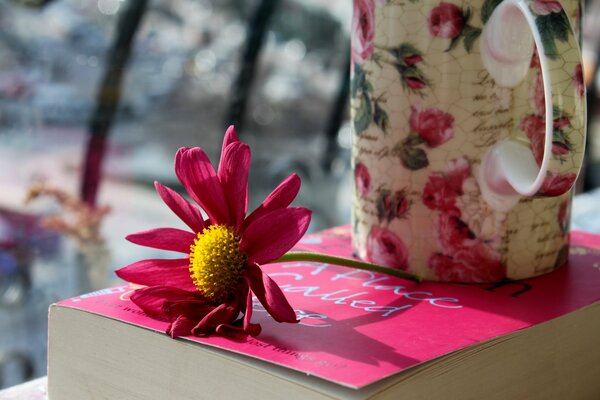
(468, 125)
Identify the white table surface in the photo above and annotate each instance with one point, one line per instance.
(32, 390)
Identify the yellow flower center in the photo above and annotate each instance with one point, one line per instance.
(216, 263)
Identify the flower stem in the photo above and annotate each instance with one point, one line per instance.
(346, 262)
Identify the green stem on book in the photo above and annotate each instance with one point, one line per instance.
(346, 262)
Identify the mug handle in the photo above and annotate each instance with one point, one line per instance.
(509, 169)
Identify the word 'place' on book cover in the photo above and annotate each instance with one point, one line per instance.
(361, 335)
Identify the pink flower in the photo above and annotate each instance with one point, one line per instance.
(452, 232)
(392, 206)
(385, 248)
(557, 184)
(206, 289)
(537, 97)
(446, 21)
(434, 126)
(559, 148)
(457, 171)
(533, 126)
(578, 80)
(363, 30)
(478, 263)
(441, 189)
(413, 59)
(415, 83)
(545, 7)
(362, 179)
(438, 194)
(402, 203)
(561, 122)
(535, 129)
(535, 59)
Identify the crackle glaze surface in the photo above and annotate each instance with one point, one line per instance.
(424, 112)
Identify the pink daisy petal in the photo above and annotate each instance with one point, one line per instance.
(281, 197)
(182, 326)
(269, 232)
(247, 328)
(185, 210)
(159, 272)
(229, 138)
(224, 313)
(233, 173)
(250, 328)
(196, 173)
(152, 300)
(238, 332)
(270, 295)
(196, 309)
(273, 234)
(171, 239)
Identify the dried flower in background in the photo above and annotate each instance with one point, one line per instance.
(78, 219)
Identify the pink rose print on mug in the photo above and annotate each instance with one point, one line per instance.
(392, 206)
(415, 83)
(578, 79)
(434, 126)
(431, 127)
(457, 171)
(545, 7)
(362, 179)
(438, 195)
(412, 59)
(446, 20)
(442, 188)
(384, 247)
(452, 233)
(407, 60)
(556, 184)
(553, 25)
(463, 257)
(368, 108)
(449, 21)
(534, 124)
(363, 30)
(535, 127)
(477, 263)
(536, 94)
(535, 59)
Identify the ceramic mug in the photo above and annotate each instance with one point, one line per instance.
(468, 134)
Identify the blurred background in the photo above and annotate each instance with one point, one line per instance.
(96, 96)
(185, 70)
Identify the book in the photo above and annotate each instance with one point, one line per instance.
(361, 335)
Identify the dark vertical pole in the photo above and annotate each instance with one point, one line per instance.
(257, 27)
(336, 116)
(108, 96)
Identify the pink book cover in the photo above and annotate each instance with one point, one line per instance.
(359, 327)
